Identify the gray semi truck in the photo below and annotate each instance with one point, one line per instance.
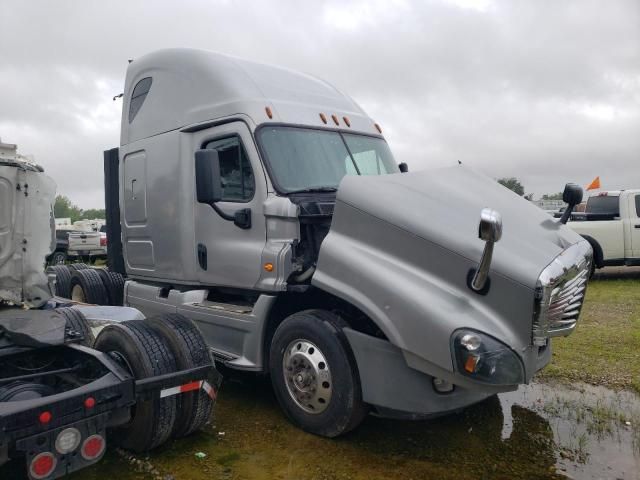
(266, 206)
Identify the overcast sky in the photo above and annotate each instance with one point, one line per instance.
(546, 91)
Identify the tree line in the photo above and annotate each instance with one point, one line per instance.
(513, 184)
(64, 208)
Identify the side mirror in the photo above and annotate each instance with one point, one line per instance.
(490, 231)
(208, 185)
(404, 168)
(209, 188)
(490, 227)
(572, 195)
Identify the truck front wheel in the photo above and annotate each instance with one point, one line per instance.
(314, 374)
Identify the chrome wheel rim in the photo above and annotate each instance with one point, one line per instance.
(307, 376)
(77, 294)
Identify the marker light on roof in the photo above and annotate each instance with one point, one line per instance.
(269, 112)
(377, 127)
(346, 121)
(323, 118)
(335, 119)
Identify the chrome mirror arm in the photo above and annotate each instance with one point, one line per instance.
(482, 273)
(489, 230)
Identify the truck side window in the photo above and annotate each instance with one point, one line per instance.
(638, 205)
(238, 184)
(138, 97)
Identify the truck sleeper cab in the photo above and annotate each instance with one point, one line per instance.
(266, 206)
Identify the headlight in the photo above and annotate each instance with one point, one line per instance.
(485, 359)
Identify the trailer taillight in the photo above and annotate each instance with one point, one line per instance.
(45, 417)
(42, 465)
(93, 447)
(103, 241)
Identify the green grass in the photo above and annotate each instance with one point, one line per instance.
(605, 347)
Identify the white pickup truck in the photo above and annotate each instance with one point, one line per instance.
(88, 244)
(611, 224)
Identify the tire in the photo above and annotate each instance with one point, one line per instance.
(63, 280)
(87, 287)
(190, 350)
(77, 266)
(114, 284)
(58, 257)
(77, 322)
(145, 353)
(313, 338)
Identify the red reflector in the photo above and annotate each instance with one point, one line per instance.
(93, 447)
(188, 387)
(42, 465)
(90, 402)
(45, 417)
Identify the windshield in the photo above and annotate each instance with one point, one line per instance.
(307, 159)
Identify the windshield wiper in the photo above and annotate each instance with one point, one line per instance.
(314, 190)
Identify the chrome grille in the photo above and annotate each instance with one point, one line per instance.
(566, 302)
(560, 293)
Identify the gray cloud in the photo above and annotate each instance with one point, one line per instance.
(548, 91)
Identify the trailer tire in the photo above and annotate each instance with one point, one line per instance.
(114, 285)
(77, 266)
(145, 354)
(63, 280)
(190, 350)
(327, 410)
(77, 322)
(87, 287)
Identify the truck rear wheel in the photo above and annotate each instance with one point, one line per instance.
(63, 280)
(144, 352)
(87, 287)
(114, 285)
(190, 351)
(77, 322)
(314, 374)
(77, 266)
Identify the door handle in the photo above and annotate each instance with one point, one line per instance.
(637, 226)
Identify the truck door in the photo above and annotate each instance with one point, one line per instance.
(228, 255)
(634, 225)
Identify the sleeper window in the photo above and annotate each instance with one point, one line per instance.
(238, 184)
(138, 97)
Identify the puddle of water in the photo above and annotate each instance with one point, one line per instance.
(539, 432)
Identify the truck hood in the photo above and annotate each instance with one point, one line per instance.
(442, 206)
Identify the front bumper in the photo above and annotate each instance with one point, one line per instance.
(396, 389)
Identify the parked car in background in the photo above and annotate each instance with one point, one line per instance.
(611, 224)
(72, 244)
(87, 244)
(59, 255)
